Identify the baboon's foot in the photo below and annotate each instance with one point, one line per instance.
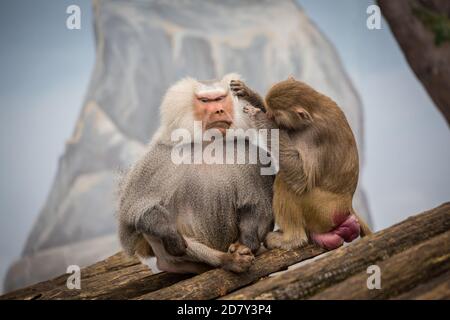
(238, 259)
(239, 248)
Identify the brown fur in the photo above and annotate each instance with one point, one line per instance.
(319, 163)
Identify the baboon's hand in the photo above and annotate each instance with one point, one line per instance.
(256, 115)
(251, 110)
(239, 89)
(258, 118)
(239, 258)
(239, 248)
(174, 244)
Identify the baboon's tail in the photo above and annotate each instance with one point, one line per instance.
(134, 243)
(144, 249)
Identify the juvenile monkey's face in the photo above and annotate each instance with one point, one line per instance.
(214, 107)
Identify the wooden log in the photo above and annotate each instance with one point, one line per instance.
(398, 274)
(435, 289)
(115, 262)
(218, 282)
(344, 262)
(138, 286)
(124, 283)
(117, 277)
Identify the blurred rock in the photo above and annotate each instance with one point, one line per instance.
(142, 48)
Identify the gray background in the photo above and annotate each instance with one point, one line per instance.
(45, 70)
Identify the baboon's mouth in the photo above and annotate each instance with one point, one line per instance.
(222, 124)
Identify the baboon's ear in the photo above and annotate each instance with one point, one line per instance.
(303, 114)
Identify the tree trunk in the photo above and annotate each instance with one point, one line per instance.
(422, 29)
(437, 288)
(218, 282)
(398, 274)
(117, 277)
(414, 258)
(346, 261)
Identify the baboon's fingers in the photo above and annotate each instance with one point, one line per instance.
(239, 248)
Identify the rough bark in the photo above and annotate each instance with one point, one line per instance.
(398, 274)
(413, 255)
(342, 263)
(422, 29)
(124, 283)
(437, 288)
(218, 282)
(115, 262)
(117, 277)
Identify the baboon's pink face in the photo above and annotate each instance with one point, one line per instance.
(214, 108)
